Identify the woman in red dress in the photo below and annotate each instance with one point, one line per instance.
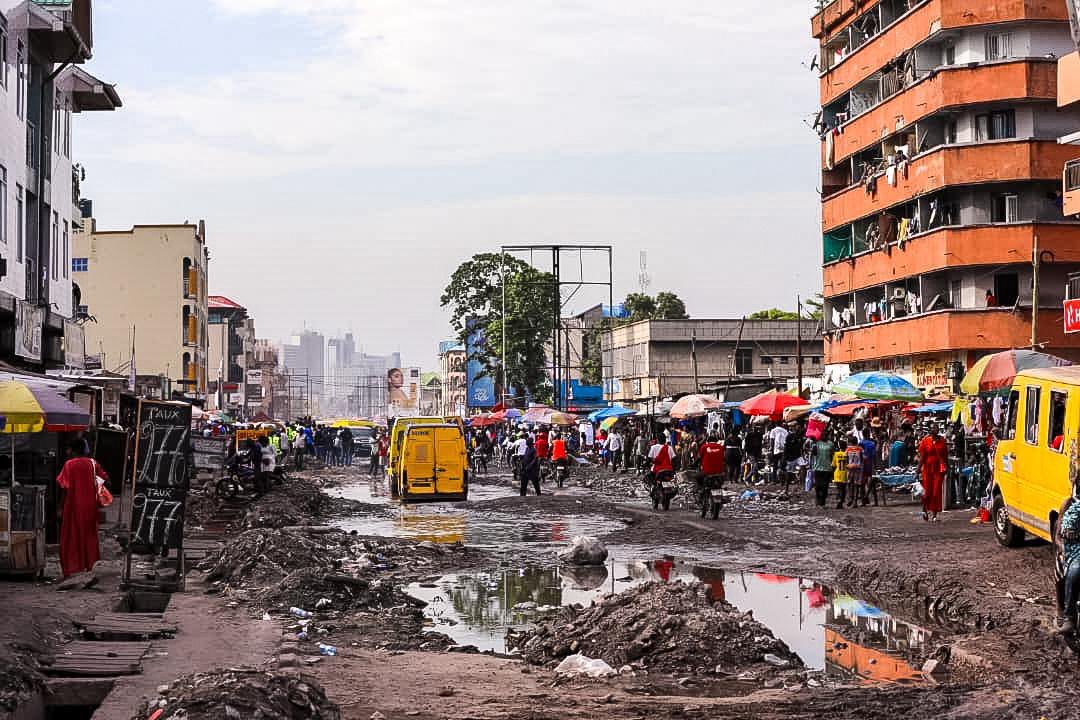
(79, 521)
(933, 462)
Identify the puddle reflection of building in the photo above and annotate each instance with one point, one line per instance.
(865, 641)
(430, 526)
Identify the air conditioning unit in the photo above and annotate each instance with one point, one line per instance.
(899, 293)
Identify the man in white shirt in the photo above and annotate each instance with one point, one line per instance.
(778, 435)
(615, 448)
(518, 449)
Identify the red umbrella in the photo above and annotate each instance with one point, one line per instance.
(771, 404)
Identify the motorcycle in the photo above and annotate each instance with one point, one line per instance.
(239, 477)
(711, 495)
(562, 471)
(662, 488)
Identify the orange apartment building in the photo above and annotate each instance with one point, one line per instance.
(941, 177)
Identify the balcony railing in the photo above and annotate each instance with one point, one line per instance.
(31, 146)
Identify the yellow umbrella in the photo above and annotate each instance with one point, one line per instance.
(609, 423)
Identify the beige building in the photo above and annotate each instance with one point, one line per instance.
(734, 359)
(151, 278)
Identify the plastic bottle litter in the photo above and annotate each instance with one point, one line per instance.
(302, 635)
(300, 612)
(322, 603)
(325, 649)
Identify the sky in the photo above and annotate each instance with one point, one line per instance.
(347, 155)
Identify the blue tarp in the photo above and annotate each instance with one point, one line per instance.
(935, 408)
(611, 412)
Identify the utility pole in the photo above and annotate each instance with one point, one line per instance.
(1036, 261)
(693, 360)
(798, 342)
(734, 357)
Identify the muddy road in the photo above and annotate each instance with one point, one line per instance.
(775, 610)
(864, 597)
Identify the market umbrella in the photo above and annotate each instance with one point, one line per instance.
(554, 417)
(691, 406)
(997, 371)
(878, 386)
(797, 411)
(614, 411)
(770, 404)
(608, 423)
(38, 407)
(536, 413)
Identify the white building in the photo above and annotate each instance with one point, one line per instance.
(42, 44)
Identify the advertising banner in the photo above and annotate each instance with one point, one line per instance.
(1072, 316)
(403, 391)
(29, 320)
(480, 384)
(74, 345)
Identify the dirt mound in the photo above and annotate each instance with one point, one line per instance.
(299, 501)
(297, 566)
(926, 595)
(671, 628)
(242, 694)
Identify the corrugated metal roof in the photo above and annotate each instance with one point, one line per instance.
(221, 302)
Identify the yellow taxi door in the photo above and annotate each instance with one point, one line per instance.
(1006, 456)
(418, 476)
(451, 461)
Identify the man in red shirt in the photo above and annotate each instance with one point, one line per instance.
(712, 457)
(541, 444)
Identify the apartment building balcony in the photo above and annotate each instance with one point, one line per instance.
(946, 165)
(60, 32)
(88, 93)
(877, 114)
(984, 329)
(1071, 187)
(953, 247)
(854, 50)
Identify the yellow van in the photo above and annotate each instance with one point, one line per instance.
(1033, 460)
(434, 464)
(397, 438)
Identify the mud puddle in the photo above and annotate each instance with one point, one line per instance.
(832, 632)
(461, 522)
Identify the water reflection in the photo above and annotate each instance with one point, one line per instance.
(833, 632)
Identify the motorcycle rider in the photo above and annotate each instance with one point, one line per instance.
(1069, 584)
(661, 456)
(711, 453)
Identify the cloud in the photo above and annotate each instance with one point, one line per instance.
(430, 81)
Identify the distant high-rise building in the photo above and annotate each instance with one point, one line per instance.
(304, 359)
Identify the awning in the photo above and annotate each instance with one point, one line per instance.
(54, 34)
(86, 91)
(32, 407)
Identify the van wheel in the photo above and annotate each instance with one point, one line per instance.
(1007, 534)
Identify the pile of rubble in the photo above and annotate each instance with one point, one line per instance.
(300, 501)
(668, 628)
(238, 693)
(19, 680)
(300, 566)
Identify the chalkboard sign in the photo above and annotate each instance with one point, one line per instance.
(161, 474)
(209, 453)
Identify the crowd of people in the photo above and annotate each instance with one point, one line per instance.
(835, 459)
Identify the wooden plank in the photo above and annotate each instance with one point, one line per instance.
(97, 659)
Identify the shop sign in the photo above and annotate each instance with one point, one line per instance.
(930, 372)
(1072, 316)
(29, 320)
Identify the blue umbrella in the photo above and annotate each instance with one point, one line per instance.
(878, 386)
(611, 412)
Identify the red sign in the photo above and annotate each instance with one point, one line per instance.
(1072, 316)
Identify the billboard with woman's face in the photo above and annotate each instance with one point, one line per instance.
(402, 390)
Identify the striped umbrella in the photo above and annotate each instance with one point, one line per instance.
(997, 371)
(878, 386)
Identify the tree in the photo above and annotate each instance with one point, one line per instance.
(476, 291)
(670, 307)
(813, 308)
(773, 314)
(640, 306)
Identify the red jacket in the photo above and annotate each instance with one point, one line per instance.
(712, 458)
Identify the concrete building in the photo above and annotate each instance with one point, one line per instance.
(231, 342)
(452, 378)
(151, 278)
(304, 360)
(940, 176)
(42, 46)
(654, 359)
